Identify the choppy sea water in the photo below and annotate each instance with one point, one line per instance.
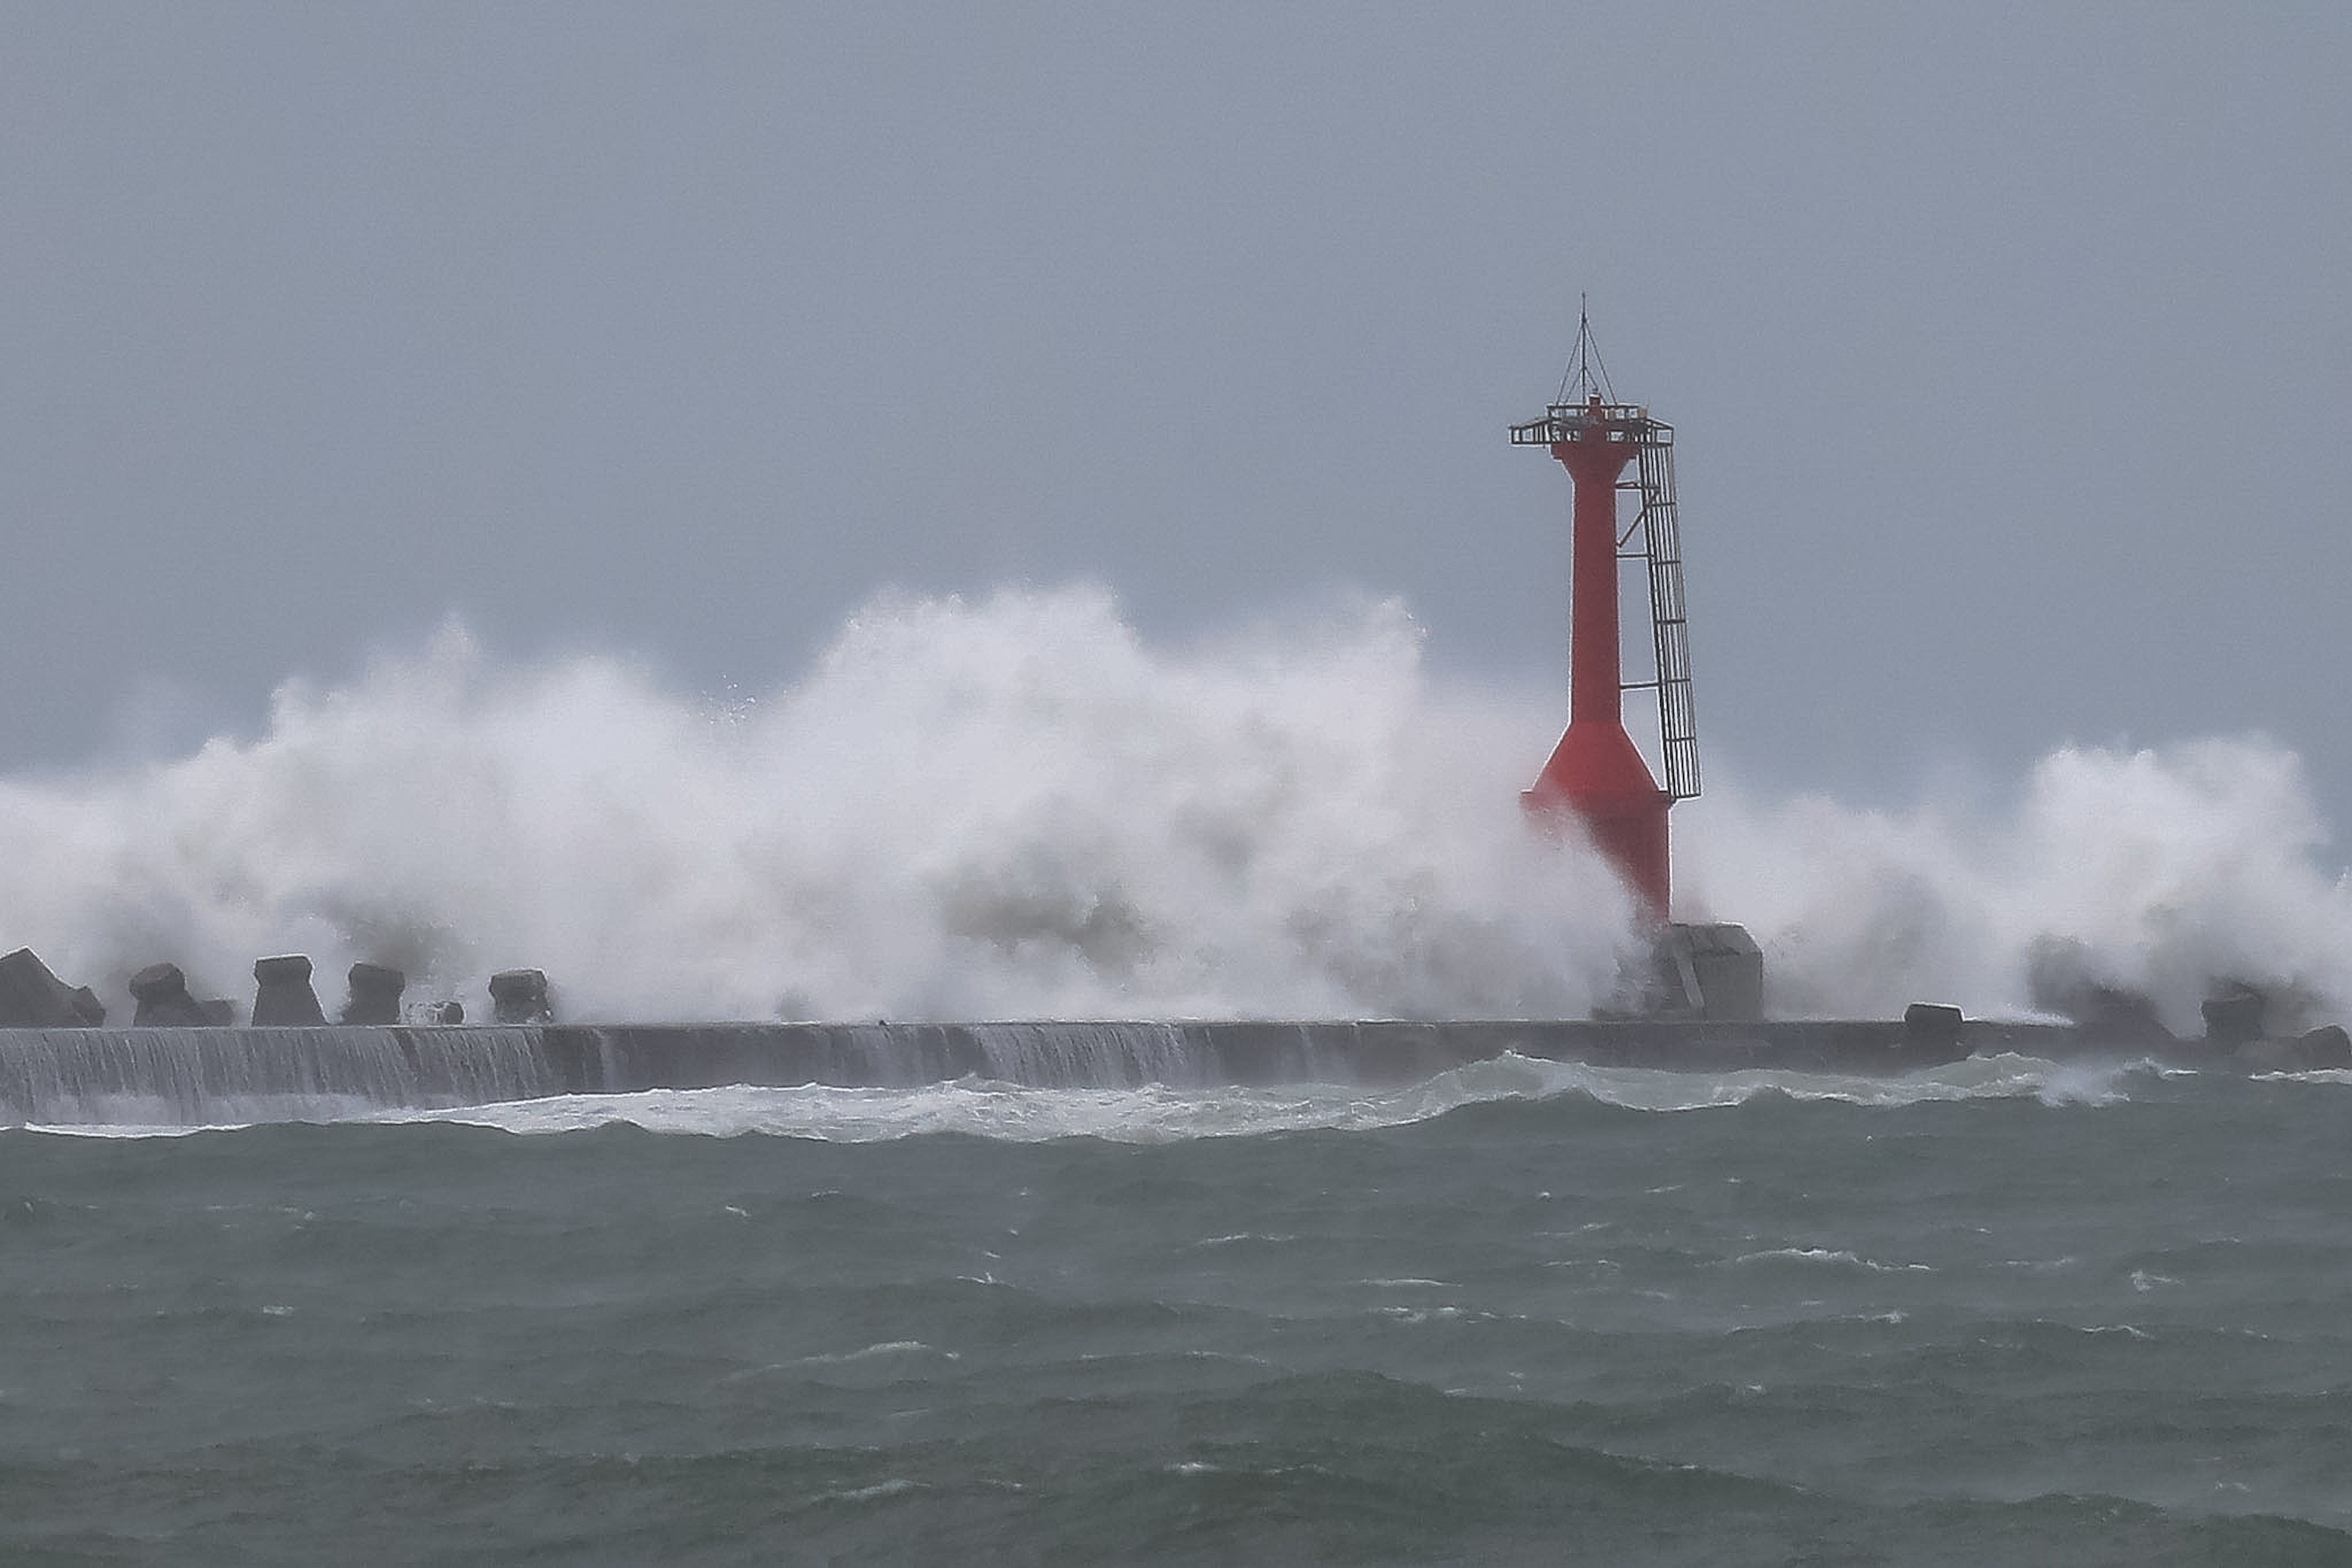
(1523, 1312)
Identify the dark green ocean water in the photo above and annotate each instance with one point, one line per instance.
(1526, 1313)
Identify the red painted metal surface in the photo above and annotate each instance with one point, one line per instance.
(1596, 772)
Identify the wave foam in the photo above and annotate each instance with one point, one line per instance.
(1015, 808)
(1159, 1114)
(1003, 809)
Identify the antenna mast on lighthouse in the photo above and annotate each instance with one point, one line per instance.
(1596, 773)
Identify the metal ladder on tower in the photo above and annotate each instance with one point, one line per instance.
(1662, 545)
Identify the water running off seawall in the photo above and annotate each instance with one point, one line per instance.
(194, 1076)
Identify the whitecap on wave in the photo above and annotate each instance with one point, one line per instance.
(1158, 1113)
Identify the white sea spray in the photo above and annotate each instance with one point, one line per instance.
(1016, 806)
(1010, 807)
(2159, 871)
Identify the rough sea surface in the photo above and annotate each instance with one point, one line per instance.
(1522, 1312)
(1525, 1313)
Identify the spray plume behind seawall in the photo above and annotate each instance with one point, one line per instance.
(1015, 807)
(2163, 872)
(1006, 809)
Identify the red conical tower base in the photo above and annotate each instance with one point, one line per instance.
(1598, 778)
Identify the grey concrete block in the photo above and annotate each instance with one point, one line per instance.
(519, 996)
(161, 991)
(1933, 1023)
(31, 997)
(2235, 1014)
(282, 994)
(1713, 971)
(375, 994)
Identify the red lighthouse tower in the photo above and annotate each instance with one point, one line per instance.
(1596, 773)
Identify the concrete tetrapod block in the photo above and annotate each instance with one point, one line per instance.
(2060, 978)
(162, 993)
(2235, 1014)
(33, 998)
(375, 994)
(282, 994)
(519, 996)
(1933, 1023)
(1713, 971)
(2329, 1045)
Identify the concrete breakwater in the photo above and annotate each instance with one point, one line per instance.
(199, 1075)
(184, 1060)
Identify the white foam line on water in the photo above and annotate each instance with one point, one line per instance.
(1839, 1256)
(126, 1129)
(2316, 1075)
(1007, 1113)
(1160, 1113)
(1156, 1113)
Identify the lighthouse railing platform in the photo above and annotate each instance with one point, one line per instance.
(1627, 422)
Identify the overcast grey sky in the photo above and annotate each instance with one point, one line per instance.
(2009, 348)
